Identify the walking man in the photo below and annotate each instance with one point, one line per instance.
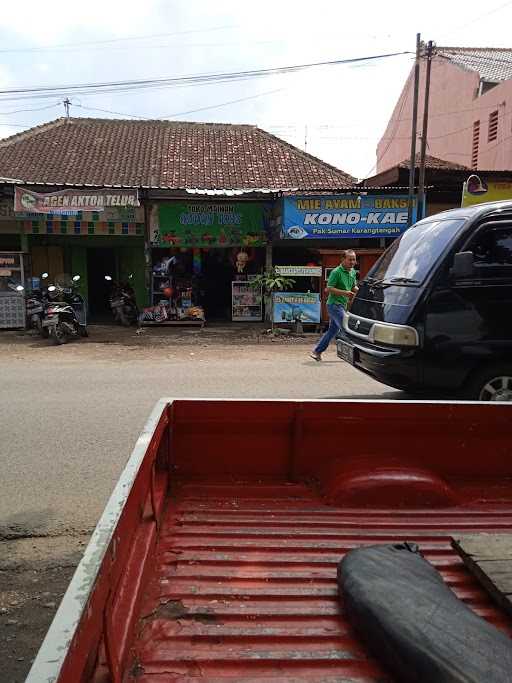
(341, 287)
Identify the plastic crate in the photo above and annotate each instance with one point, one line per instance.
(12, 311)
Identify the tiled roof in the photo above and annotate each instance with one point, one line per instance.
(434, 162)
(389, 177)
(162, 154)
(492, 63)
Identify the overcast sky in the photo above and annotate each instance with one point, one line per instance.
(338, 112)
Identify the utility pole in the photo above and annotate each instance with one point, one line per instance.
(66, 104)
(421, 182)
(412, 167)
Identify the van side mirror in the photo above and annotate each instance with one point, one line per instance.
(463, 264)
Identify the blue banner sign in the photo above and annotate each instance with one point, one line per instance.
(351, 216)
(292, 307)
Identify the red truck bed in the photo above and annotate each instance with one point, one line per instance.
(216, 556)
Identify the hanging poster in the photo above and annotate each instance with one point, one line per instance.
(292, 307)
(203, 224)
(349, 216)
(72, 201)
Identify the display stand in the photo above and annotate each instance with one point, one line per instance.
(246, 302)
(167, 312)
(156, 292)
(12, 302)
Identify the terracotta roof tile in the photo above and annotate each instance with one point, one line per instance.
(162, 154)
(434, 162)
(491, 63)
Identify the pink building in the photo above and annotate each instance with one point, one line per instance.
(470, 114)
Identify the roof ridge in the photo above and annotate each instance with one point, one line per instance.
(29, 132)
(307, 155)
(211, 124)
(431, 157)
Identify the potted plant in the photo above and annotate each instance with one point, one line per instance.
(270, 281)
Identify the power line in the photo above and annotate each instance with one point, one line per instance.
(454, 111)
(199, 79)
(181, 113)
(163, 46)
(45, 48)
(109, 111)
(16, 125)
(222, 104)
(405, 93)
(484, 151)
(477, 19)
(19, 111)
(103, 44)
(443, 135)
(450, 133)
(283, 129)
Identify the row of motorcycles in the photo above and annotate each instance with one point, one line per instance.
(58, 311)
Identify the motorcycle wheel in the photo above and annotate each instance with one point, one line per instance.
(125, 322)
(59, 336)
(42, 331)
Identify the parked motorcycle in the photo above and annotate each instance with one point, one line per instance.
(35, 306)
(65, 315)
(122, 302)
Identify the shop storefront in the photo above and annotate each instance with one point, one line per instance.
(317, 229)
(204, 257)
(88, 233)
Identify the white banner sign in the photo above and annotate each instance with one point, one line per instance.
(299, 271)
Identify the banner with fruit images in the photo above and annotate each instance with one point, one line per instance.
(205, 224)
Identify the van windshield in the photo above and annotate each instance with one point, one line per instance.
(411, 257)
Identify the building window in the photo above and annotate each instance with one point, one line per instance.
(476, 142)
(493, 126)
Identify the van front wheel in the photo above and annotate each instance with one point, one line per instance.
(493, 383)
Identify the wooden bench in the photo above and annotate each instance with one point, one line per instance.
(489, 558)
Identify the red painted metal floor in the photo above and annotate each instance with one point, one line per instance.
(244, 583)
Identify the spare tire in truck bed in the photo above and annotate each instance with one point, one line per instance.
(414, 624)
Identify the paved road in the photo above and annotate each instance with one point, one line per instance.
(70, 415)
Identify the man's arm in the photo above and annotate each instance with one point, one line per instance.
(340, 292)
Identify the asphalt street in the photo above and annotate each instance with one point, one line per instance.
(71, 415)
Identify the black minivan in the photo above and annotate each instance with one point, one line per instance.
(435, 311)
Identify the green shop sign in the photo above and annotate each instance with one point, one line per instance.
(200, 224)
